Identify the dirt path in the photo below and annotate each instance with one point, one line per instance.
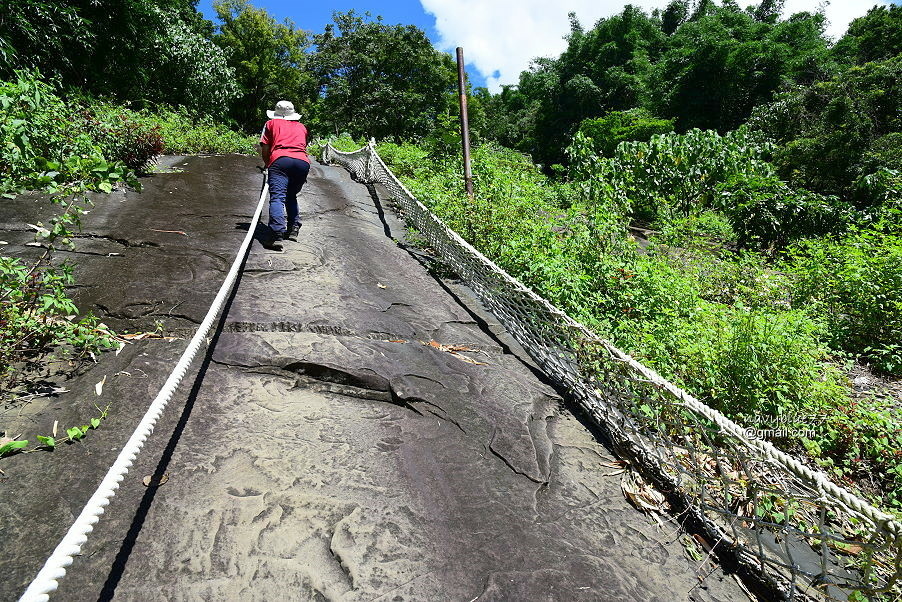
(326, 451)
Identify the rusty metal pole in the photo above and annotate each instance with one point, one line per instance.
(464, 122)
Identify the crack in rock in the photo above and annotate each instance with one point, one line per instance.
(363, 379)
(121, 241)
(177, 316)
(507, 462)
(96, 253)
(330, 379)
(395, 304)
(341, 564)
(143, 310)
(408, 401)
(342, 538)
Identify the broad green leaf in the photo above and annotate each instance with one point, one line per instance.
(12, 446)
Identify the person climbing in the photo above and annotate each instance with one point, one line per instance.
(283, 146)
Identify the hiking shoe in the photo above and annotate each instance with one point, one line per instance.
(293, 233)
(273, 242)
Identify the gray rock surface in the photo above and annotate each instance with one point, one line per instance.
(332, 446)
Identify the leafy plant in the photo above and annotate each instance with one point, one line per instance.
(609, 131)
(855, 282)
(184, 133)
(767, 214)
(122, 135)
(35, 131)
(36, 313)
(708, 229)
(12, 446)
(671, 175)
(50, 442)
(42, 150)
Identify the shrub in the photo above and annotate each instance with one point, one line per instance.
(881, 195)
(855, 282)
(833, 132)
(36, 313)
(767, 214)
(609, 131)
(861, 440)
(672, 174)
(708, 229)
(190, 70)
(183, 133)
(122, 135)
(35, 129)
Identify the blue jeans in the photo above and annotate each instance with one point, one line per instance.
(286, 177)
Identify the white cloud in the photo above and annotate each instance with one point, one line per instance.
(501, 37)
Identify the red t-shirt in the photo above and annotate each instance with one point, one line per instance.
(285, 139)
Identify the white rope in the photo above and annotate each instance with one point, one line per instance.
(54, 569)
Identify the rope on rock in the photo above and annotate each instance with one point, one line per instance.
(54, 569)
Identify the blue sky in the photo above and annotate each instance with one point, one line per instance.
(501, 37)
(313, 16)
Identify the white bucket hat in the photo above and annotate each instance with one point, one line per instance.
(284, 110)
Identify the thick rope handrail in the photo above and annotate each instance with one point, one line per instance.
(555, 340)
(54, 569)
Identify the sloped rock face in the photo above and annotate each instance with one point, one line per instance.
(354, 433)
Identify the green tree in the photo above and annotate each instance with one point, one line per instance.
(510, 122)
(722, 64)
(621, 126)
(40, 35)
(138, 50)
(189, 69)
(873, 37)
(603, 69)
(674, 16)
(269, 58)
(380, 80)
(769, 10)
(835, 132)
(132, 46)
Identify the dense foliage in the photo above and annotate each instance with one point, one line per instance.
(68, 148)
(607, 132)
(380, 80)
(836, 131)
(41, 150)
(704, 68)
(139, 50)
